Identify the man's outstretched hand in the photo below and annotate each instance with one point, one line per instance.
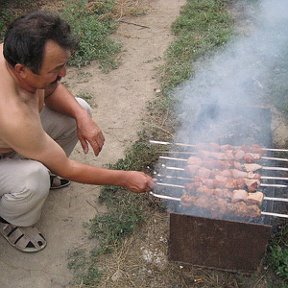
(138, 182)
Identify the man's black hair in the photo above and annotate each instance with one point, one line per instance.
(25, 38)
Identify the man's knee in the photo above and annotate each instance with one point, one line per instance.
(84, 105)
(37, 180)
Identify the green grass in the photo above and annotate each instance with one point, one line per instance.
(93, 30)
(277, 256)
(203, 26)
(93, 27)
(5, 18)
(277, 85)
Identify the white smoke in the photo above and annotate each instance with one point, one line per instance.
(238, 74)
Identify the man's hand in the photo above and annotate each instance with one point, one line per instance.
(89, 132)
(138, 182)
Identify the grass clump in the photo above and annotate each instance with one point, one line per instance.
(203, 25)
(277, 85)
(277, 256)
(93, 30)
(92, 24)
(5, 18)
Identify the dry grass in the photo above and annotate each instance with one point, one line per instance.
(131, 8)
(141, 261)
(123, 7)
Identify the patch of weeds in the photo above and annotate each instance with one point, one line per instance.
(129, 8)
(277, 85)
(5, 18)
(78, 262)
(203, 26)
(279, 260)
(83, 77)
(111, 228)
(277, 256)
(84, 270)
(92, 277)
(93, 33)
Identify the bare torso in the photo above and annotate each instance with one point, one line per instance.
(16, 105)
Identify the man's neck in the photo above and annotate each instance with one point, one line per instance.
(22, 84)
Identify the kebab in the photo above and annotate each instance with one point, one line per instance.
(220, 206)
(221, 203)
(246, 167)
(211, 192)
(254, 148)
(212, 163)
(195, 145)
(240, 195)
(231, 155)
(206, 172)
(224, 182)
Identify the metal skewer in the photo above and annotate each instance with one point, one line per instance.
(275, 178)
(274, 158)
(262, 177)
(191, 145)
(179, 200)
(183, 187)
(193, 153)
(191, 179)
(274, 214)
(165, 197)
(258, 166)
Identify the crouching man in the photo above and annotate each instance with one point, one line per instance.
(40, 124)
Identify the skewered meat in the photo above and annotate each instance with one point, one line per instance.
(230, 155)
(194, 162)
(252, 167)
(235, 173)
(244, 210)
(220, 206)
(254, 148)
(219, 181)
(218, 192)
(209, 163)
(239, 195)
(255, 198)
(193, 170)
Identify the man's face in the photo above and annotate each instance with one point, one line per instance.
(53, 67)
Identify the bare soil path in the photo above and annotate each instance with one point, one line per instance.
(119, 103)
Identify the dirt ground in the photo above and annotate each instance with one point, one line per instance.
(119, 103)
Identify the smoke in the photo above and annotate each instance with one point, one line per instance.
(226, 99)
(239, 74)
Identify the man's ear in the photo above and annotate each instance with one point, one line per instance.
(21, 70)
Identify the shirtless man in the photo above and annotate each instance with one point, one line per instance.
(40, 124)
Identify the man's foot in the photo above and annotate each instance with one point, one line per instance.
(57, 182)
(25, 239)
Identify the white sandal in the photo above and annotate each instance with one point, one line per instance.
(25, 239)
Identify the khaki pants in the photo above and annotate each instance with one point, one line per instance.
(25, 183)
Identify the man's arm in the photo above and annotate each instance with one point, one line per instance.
(62, 101)
(29, 139)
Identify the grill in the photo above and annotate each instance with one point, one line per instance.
(205, 232)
